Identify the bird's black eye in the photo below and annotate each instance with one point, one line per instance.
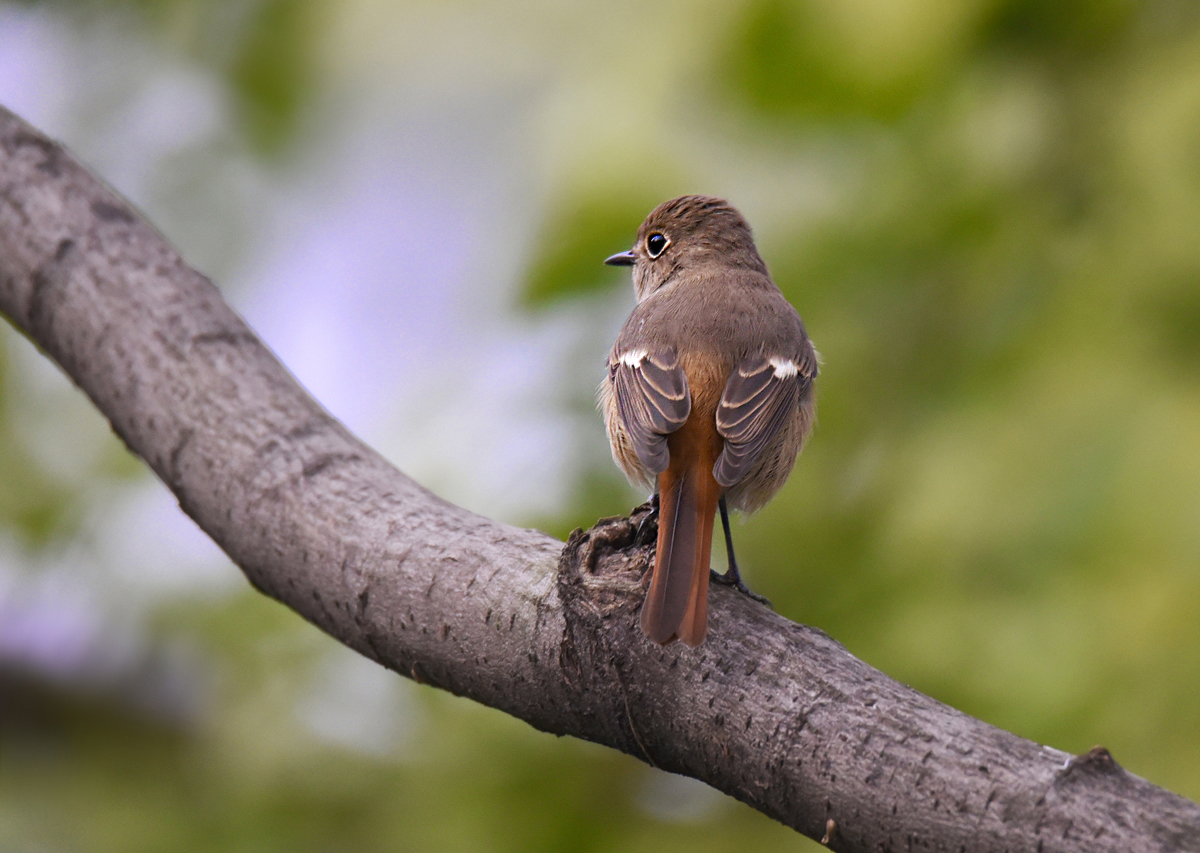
(655, 244)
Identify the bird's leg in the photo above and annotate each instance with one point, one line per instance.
(644, 525)
(731, 576)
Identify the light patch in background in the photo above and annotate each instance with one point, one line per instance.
(387, 290)
(55, 623)
(679, 799)
(35, 78)
(157, 553)
(357, 704)
(50, 622)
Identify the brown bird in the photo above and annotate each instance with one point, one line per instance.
(708, 397)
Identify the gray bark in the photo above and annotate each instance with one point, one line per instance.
(774, 713)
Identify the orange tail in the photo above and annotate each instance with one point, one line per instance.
(676, 606)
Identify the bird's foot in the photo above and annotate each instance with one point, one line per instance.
(648, 526)
(733, 579)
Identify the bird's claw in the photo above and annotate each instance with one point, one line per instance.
(639, 537)
(734, 580)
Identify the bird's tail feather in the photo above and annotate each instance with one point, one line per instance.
(676, 605)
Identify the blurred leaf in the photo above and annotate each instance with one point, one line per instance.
(1174, 312)
(273, 71)
(1072, 26)
(819, 61)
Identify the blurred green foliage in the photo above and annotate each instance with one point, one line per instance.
(584, 226)
(31, 505)
(1000, 504)
(272, 69)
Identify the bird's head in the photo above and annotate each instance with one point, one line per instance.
(687, 232)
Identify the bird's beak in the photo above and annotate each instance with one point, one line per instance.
(621, 259)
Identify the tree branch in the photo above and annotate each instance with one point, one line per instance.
(774, 713)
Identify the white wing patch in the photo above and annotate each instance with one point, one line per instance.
(785, 368)
(634, 358)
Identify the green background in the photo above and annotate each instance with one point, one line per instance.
(988, 214)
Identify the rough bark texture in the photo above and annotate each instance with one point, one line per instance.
(777, 714)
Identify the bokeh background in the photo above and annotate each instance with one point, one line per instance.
(987, 212)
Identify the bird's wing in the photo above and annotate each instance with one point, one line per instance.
(652, 399)
(760, 395)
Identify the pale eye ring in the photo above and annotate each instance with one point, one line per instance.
(656, 244)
